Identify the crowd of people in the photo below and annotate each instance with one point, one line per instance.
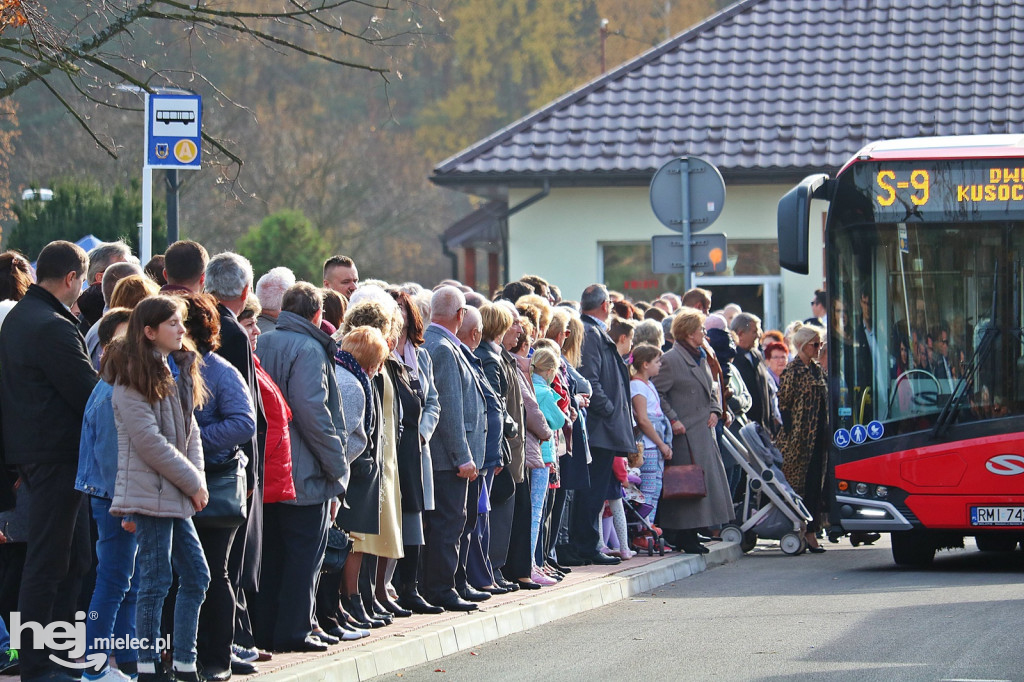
(217, 468)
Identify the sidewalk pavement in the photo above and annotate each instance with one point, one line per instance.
(421, 638)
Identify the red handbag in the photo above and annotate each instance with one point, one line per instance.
(684, 481)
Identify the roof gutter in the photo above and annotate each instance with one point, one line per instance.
(525, 203)
(453, 256)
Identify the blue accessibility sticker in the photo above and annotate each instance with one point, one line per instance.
(875, 430)
(841, 438)
(858, 434)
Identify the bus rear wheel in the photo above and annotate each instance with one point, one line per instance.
(912, 548)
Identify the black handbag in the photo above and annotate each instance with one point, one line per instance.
(227, 507)
(338, 546)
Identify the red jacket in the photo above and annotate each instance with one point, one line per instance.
(619, 469)
(278, 485)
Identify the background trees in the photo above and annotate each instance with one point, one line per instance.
(80, 207)
(351, 147)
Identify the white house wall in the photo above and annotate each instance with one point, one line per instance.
(558, 237)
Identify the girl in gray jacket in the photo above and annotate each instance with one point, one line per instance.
(160, 482)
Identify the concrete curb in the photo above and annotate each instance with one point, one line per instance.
(436, 641)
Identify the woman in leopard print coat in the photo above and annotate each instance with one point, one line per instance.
(803, 400)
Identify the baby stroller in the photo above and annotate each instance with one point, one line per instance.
(642, 535)
(770, 508)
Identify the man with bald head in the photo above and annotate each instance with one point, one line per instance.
(457, 450)
(477, 580)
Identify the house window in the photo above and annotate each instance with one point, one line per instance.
(627, 266)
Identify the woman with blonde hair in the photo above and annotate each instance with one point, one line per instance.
(132, 289)
(690, 402)
(803, 398)
(543, 306)
(360, 358)
(544, 366)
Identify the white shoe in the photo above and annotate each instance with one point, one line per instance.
(109, 675)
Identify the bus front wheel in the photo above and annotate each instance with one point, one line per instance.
(996, 543)
(912, 548)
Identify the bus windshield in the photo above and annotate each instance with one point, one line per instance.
(921, 312)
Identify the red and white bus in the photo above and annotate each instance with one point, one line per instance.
(924, 255)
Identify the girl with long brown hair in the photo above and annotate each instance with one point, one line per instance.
(160, 482)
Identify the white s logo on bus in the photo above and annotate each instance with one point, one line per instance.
(1006, 465)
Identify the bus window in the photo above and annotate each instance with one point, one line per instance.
(911, 305)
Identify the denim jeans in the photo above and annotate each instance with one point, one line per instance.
(164, 542)
(538, 491)
(115, 595)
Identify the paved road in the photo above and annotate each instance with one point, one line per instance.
(848, 614)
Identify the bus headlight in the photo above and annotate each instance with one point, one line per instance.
(881, 492)
(861, 489)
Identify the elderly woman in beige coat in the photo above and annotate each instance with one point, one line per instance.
(691, 404)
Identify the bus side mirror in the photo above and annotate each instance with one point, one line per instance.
(794, 222)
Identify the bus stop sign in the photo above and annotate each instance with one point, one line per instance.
(704, 193)
(173, 130)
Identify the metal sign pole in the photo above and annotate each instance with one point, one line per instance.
(146, 240)
(684, 178)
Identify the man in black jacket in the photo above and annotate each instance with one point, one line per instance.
(45, 381)
(229, 278)
(750, 364)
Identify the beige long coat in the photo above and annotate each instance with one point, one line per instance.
(685, 390)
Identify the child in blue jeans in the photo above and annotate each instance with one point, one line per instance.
(115, 596)
(160, 482)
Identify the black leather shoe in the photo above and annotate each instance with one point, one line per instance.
(412, 601)
(693, 548)
(455, 603)
(329, 640)
(240, 667)
(861, 537)
(395, 609)
(353, 606)
(816, 550)
(567, 556)
(380, 613)
(510, 586)
(307, 645)
(494, 589)
(601, 559)
(469, 594)
(559, 567)
(219, 676)
(526, 584)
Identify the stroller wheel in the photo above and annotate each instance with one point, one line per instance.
(731, 533)
(661, 546)
(650, 546)
(792, 544)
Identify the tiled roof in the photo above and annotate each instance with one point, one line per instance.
(770, 86)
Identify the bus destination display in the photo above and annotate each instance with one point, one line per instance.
(943, 190)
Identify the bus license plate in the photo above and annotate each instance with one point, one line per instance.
(997, 516)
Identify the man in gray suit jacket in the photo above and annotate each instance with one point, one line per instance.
(457, 449)
(609, 428)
